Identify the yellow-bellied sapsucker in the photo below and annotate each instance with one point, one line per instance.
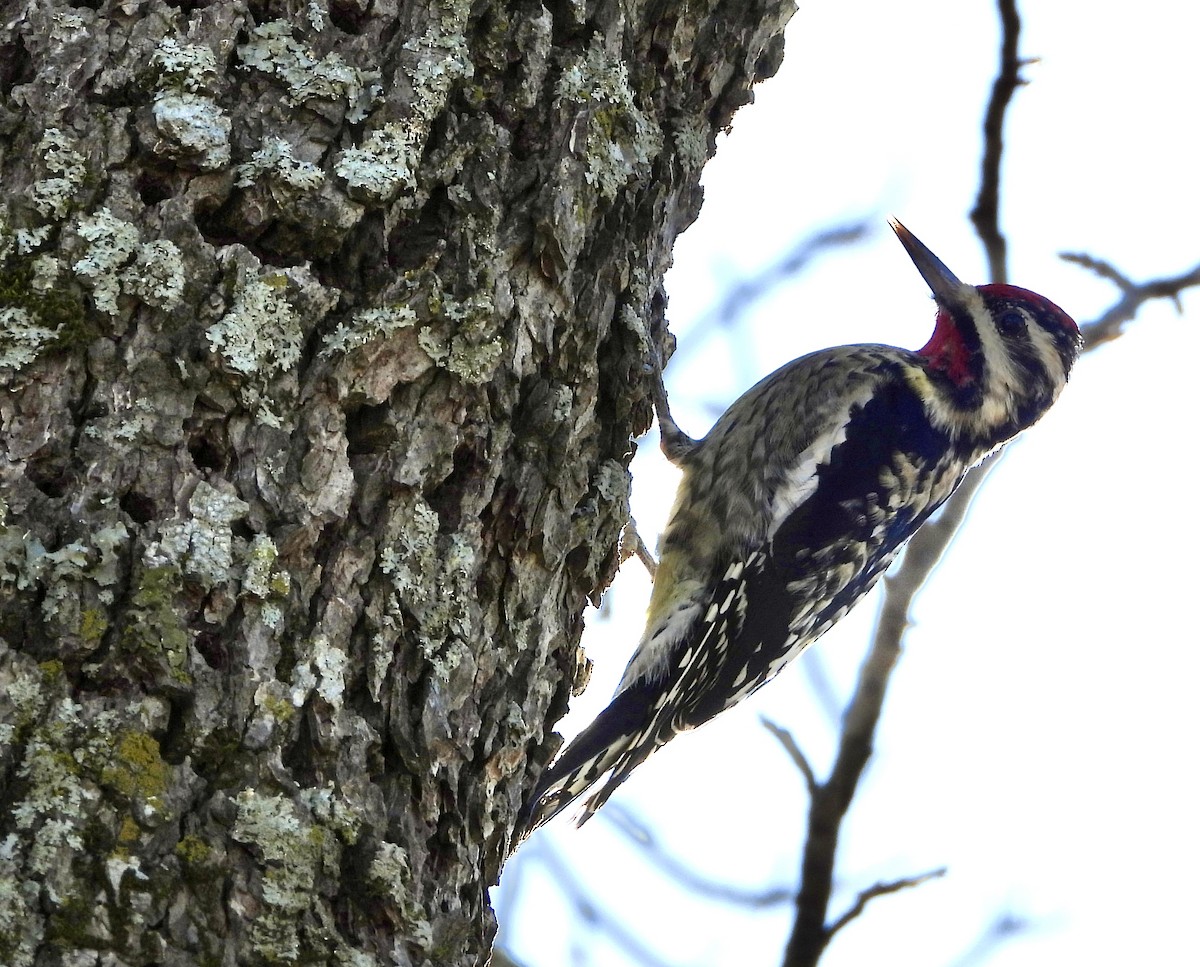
(797, 501)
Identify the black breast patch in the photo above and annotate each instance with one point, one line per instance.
(851, 486)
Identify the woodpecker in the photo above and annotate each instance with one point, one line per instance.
(799, 498)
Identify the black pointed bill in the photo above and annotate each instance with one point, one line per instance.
(944, 283)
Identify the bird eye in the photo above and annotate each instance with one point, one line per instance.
(1011, 323)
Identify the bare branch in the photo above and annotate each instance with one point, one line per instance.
(589, 913)
(1133, 294)
(1099, 267)
(750, 289)
(831, 800)
(986, 213)
(882, 889)
(684, 876)
(788, 741)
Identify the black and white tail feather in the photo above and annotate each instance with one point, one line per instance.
(649, 711)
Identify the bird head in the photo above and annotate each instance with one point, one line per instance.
(999, 354)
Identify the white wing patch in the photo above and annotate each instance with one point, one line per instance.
(800, 482)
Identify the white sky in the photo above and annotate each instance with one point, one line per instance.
(1039, 737)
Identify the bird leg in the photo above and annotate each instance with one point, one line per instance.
(632, 545)
(674, 443)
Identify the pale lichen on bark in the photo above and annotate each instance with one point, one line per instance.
(323, 336)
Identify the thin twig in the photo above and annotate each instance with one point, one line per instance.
(683, 875)
(1099, 267)
(788, 741)
(746, 291)
(986, 213)
(1133, 294)
(882, 889)
(573, 889)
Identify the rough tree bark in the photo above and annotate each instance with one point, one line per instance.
(323, 332)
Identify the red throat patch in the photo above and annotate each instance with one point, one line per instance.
(946, 350)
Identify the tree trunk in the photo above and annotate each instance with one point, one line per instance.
(323, 336)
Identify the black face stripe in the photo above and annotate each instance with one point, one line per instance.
(968, 332)
(1002, 308)
(966, 328)
(1068, 343)
(1045, 314)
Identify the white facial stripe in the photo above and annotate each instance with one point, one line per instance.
(1001, 379)
(801, 480)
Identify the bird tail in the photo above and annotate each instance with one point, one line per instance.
(609, 740)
